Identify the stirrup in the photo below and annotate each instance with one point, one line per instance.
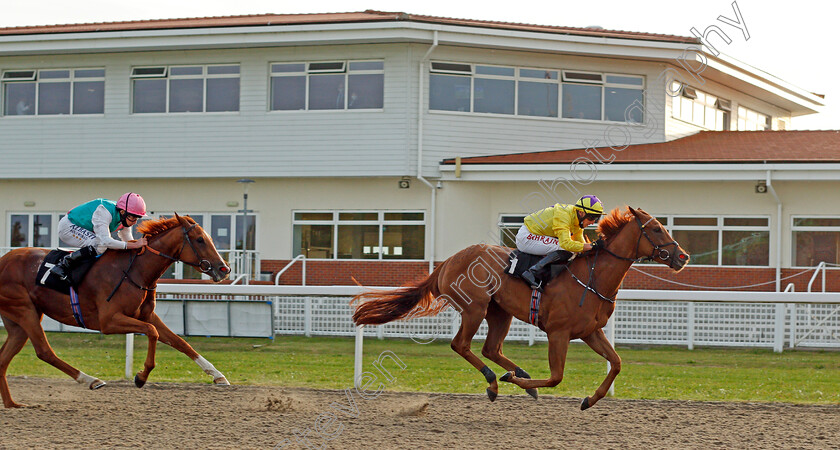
(532, 280)
(58, 271)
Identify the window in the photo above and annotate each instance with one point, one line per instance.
(321, 85)
(749, 120)
(534, 92)
(33, 230)
(359, 234)
(184, 89)
(700, 108)
(815, 240)
(53, 92)
(728, 241)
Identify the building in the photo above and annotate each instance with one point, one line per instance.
(382, 142)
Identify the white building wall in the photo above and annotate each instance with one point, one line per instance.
(251, 142)
(468, 212)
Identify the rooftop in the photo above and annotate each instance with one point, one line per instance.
(324, 18)
(703, 147)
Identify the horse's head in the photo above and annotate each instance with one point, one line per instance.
(200, 252)
(656, 243)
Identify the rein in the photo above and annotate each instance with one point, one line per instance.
(663, 254)
(204, 265)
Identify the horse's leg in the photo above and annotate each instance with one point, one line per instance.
(470, 321)
(498, 325)
(558, 345)
(15, 341)
(173, 340)
(31, 324)
(598, 341)
(122, 324)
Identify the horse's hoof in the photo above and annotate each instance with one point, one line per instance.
(492, 395)
(584, 405)
(222, 381)
(506, 377)
(532, 392)
(96, 384)
(138, 382)
(15, 405)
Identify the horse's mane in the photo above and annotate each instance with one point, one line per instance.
(611, 224)
(153, 227)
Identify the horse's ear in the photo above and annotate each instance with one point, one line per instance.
(181, 220)
(632, 210)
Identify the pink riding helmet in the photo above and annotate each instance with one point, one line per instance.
(132, 203)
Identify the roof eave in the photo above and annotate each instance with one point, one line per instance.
(808, 171)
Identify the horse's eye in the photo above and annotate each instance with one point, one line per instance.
(658, 230)
(200, 240)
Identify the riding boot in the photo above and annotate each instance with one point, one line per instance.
(71, 261)
(531, 274)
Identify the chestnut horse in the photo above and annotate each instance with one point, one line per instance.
(116, 297)
(576, 304)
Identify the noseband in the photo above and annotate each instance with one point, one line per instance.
(203, 265)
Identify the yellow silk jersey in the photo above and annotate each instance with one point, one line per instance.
(560, 221)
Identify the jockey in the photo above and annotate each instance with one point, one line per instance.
(89, 227)
(557, 233)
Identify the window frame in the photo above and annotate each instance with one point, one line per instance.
(307, 74)
(706, 102)
(380, 221)
(54, 218)
(34, 77)
(720, 228)
(564, 77)
(166, 74)
(800, 228)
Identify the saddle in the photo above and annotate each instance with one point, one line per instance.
(48, 279)
(519, 262)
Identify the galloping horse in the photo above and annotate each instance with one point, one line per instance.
(117, 296)
(576, 304)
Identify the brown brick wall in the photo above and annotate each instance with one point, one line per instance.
(367, 273)
(396, 273)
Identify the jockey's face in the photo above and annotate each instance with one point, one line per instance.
(129, 219)
(587, 219)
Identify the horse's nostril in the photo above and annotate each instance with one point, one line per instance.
(224, 269)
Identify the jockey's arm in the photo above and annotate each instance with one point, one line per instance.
(563, 230)
(101, 220)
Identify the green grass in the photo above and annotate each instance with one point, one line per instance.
(327, 362)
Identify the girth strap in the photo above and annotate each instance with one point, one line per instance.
(77, 309)
(534, 315)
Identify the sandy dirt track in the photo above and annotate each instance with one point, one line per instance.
(171, 415)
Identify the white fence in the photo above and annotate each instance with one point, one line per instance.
(683, 318)
(716, 318)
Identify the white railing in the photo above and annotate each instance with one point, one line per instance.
(243, 262)
(297, 258)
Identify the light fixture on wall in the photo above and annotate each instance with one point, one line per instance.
(233, 203)
(404, 183)
(29, 203)
(761, 187)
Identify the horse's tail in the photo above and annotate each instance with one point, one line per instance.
(418, 299)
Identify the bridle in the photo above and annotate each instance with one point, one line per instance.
(659, 251)
(203, 265)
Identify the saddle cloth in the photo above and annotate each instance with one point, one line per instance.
(48, 279)
(519, 262)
